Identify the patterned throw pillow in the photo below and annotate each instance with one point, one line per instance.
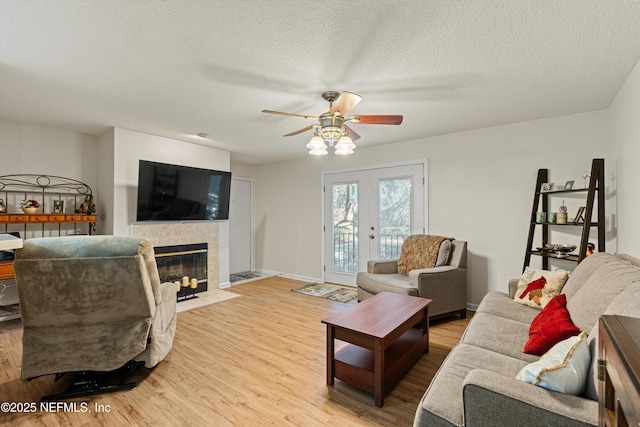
(537, 287)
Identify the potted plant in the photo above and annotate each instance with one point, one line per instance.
(29, 206)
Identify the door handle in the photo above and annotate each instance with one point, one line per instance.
(371, 236)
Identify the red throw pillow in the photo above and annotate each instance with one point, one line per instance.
(552, 325)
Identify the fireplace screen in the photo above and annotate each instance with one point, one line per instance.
(185, 266)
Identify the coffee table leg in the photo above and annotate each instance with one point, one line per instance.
(378, 374)
(425, 327)
(330, 354)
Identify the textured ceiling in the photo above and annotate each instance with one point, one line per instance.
(173, 68)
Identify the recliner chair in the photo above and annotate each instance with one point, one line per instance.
(92, 304)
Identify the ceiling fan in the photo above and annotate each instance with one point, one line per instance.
(332, 126)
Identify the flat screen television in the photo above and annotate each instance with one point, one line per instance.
(181, 193)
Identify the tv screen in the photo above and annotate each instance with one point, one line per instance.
(181, 193)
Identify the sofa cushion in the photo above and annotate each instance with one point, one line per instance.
(420, 251)
(593, 297)
(532, 287)
(500, 304)
(498, 334)
(551, 326)
(376, 283)
(583, 272)
(442, 403)
(563, 368)
(624, 304)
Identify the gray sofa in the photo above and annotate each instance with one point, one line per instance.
(446, 285)
(476, 385)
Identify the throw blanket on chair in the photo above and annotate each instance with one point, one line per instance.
(419, 251)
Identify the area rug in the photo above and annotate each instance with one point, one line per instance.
(205, 298)
(331, 292)
(247, 275)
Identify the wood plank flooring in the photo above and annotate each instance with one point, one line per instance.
(254, 360)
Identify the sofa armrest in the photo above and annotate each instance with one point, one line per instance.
(513, 287)
(382, 266)
(495, 400)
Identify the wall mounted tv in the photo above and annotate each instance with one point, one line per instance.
(181, 193)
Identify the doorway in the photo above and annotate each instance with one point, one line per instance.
(368, 214)
(240, 214)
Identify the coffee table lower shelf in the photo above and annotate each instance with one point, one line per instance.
(355, 365)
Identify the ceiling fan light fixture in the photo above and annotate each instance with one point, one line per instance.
(316, 143)
(318, 152)
(343, 151)
(345, 145)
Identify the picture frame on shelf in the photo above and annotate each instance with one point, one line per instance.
(568, 185)
(547, 186)
(579, 215)
(58, 206)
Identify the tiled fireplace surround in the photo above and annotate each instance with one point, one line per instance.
(186, 234)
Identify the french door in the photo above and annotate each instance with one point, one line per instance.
(368, 214)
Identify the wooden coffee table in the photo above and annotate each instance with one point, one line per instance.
(383, 342)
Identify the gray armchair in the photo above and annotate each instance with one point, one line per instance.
(92, 304)
(446, 284)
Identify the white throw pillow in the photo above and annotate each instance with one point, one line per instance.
(539, 297)
(564, 368)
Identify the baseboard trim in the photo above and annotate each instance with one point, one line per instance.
(472, 307)
(289, 276)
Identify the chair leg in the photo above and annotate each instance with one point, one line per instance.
(463, 313)
(87, 383)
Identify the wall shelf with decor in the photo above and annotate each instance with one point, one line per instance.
(57, 200)
(592, 215)
(58, 205)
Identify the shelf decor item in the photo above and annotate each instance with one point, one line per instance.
(547, 186)
(29, 206)
(561, 218)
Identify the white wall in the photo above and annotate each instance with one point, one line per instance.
(30, 149)
(624, 116)
(129, 147)
(105, 196)
(481, 185)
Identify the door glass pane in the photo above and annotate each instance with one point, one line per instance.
(394, 215)
(345, 227)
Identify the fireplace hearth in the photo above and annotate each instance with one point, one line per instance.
(185, 266)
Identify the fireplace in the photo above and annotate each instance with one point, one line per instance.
(184, 265)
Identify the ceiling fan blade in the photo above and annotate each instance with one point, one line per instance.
(376, 120)
(305, 116)
(345, 102)
(301, 130)
(352, 133)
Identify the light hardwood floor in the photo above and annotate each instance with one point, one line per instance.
(254, 360)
